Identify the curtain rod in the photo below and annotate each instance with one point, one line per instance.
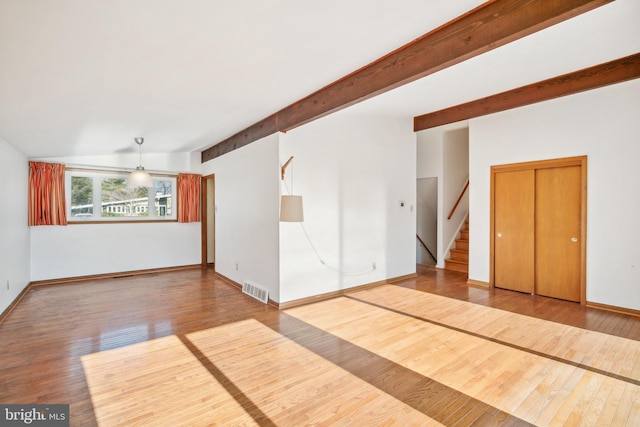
(100, 168)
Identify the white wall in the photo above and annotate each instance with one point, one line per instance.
(602, 124)
(14, 232)
(352, 173)
(247, 209)
(87, 249)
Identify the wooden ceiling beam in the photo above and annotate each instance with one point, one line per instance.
(486, 27)
(617, 71)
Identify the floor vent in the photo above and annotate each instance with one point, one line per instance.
(255, 291)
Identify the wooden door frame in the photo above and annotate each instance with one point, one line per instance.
(580, 161)
(203, 223)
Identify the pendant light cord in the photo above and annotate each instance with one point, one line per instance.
(322, 261)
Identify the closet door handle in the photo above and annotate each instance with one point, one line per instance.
(574, 239)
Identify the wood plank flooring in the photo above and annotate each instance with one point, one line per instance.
(185, 348)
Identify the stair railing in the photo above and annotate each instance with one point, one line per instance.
(427, 249)
(464, 190)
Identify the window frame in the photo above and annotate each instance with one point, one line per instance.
(98, 175)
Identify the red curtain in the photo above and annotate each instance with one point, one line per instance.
(189, 197)
(47, 204)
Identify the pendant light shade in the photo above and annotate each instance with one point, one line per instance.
(291, 209)
(290, 206)
(139, 177)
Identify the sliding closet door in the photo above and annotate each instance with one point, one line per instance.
(514, 230)
(539, 227)
(558, 246)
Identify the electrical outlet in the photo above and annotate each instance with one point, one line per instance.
(373, 265)
(7, 285)
(236, 266)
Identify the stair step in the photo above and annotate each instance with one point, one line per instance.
(462, 244)
(450, 264)
(459, 255)
(459, 259)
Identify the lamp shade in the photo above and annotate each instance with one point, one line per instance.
(139, 178)
(291, 209)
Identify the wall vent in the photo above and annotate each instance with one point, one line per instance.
(255, 291)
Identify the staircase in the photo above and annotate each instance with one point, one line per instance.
(459, 260)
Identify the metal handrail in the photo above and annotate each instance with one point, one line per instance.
(425, 246)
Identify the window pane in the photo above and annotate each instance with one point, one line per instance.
(118, 200)
(163, 198)
(81, 196)
(104, 196)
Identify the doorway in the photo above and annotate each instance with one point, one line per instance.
(208, 221)
(538, 228)
(427, 221)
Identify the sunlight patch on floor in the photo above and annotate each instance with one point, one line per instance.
(454, 342)
(158, 382)
(295, 386)
(162, 382)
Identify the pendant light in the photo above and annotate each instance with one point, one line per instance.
(139, 177)
(290, 206)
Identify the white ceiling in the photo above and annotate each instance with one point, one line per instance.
(84, 77)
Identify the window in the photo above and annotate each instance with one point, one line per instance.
(104, 196)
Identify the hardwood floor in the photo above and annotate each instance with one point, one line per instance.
(186, 348)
